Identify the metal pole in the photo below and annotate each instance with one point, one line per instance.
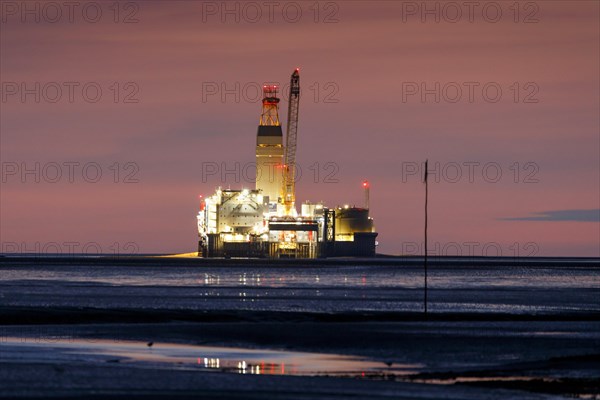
(426, 198)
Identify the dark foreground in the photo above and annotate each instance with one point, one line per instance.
(68, 330)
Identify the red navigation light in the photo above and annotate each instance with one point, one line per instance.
(365, 184)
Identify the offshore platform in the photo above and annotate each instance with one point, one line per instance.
(265, 222)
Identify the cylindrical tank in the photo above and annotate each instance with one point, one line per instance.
(352, 219)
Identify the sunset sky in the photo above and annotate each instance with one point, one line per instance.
(158, 122)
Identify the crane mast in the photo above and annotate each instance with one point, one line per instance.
(289, 172)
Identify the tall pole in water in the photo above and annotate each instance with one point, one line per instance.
(426, 198)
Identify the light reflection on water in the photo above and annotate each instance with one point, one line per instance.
(209, 358)
(290, 277)
(388, 288)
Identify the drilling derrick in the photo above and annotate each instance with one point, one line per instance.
(264, 222)
(289, 175)
(269, 148)
(269, 115)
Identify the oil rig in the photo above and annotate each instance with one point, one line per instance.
(265, 222)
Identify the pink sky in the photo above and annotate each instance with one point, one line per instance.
(369, 56)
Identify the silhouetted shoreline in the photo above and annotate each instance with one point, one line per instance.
(382, 260)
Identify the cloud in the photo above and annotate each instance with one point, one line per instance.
(590, 215)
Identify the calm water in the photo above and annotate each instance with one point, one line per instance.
(513, 288)
(192, 357)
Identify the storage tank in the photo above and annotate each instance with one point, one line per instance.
(349, 220)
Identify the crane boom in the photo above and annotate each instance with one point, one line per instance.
(289, 181)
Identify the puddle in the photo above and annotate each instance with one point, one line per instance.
(476, 379)
(207, 358)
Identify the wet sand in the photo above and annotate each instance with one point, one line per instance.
(450, 359)
(383, 354)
